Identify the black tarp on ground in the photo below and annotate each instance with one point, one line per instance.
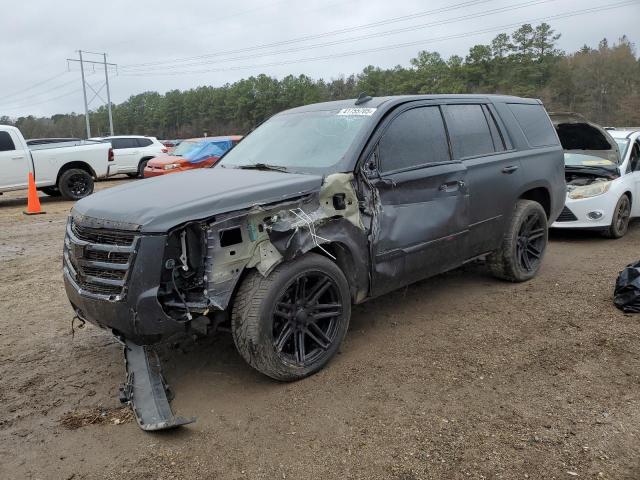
(626, 295)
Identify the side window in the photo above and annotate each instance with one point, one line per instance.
(469, 131)
(6, 142)
(415, 137)
(634, 159)
(143, 142)
(120, 143)
(535, 124)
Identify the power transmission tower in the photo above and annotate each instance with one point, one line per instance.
(86, 84)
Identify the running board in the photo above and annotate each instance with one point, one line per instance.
(146, 390)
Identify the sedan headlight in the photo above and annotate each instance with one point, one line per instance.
(588, 191)
(171, 166)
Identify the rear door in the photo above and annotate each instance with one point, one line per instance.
(126, 153)
(14, 161)
(422, 221)
(493, 174)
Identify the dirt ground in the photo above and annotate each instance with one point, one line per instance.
(459, 376)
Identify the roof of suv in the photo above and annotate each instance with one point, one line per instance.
(376, 102)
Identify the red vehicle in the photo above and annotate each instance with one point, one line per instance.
(191, 154)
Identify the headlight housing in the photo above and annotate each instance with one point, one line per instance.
(171, 166)
(587, 191)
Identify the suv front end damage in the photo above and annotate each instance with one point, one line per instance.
(150, 287)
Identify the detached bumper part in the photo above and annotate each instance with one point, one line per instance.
(146, 390)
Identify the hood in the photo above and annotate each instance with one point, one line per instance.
(578, 135)
(155, 205)
(165, 159)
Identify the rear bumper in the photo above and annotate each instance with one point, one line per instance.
(135, 314)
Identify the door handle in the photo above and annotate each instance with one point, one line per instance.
(510, 169)
(451, 186)
(19, 157)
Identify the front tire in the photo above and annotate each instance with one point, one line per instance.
(519, 257)
(75, 184)
(621, 216)
(141, 166)
(289, 324)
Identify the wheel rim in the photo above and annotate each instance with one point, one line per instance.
(531, 242)
(78, 184)
(622, 215)
(306, 318)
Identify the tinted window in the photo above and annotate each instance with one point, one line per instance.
(535, 124)
(144, 142)
(6, 143)
(415, 137)
(469, 131)
(119, 143)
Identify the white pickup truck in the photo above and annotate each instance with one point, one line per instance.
(65, 169)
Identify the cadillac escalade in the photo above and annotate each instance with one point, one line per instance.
(320, 207)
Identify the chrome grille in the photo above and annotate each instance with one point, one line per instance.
(98, 260)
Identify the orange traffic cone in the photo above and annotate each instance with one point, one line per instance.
(33, 202)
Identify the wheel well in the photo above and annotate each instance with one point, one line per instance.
(540, 195)
(145, 158)
(343, 258)
(628, 194)
(80, 165)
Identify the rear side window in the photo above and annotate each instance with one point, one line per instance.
(415, 137)
(6, 143)
(144, 142)
(469, 131)
(535, 124)
(119, 143)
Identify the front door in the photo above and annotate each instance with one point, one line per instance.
(126, 154)
(422, 221)
(14, 162)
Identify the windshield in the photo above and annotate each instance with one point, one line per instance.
(623, 143)
(186, 147)
(205, 150)
(579, 160)
(305, 141)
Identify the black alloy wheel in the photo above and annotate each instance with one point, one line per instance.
(531, 241)
(305, 318)
(78, 185)
(290, 323)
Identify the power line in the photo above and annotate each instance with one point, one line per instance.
(33, 86)
(398, 45)
(358, 38)
(39, 94)
(51, 99)
(403, 18)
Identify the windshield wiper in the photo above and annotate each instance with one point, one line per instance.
(263, 166)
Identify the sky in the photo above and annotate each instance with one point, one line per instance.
(161, 45)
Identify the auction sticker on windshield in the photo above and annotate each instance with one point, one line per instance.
(357, 111)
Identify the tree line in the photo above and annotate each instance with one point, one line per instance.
(602, 83)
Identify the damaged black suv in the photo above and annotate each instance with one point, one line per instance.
(320, 207)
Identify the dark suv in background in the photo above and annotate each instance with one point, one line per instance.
(320, 207)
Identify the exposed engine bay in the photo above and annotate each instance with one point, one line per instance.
(204, 260)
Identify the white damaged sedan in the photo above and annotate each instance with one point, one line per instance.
(602, 171)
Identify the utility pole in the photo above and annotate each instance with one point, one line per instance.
(96, 93)
(106, 81)
(84, 93)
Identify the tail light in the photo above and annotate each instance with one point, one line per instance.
(165, 150)
(110, 158)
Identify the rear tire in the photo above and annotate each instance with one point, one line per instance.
(75, 184)
(133, 175)
(51, 191)
(289, 324)
(520, 256)
(621, 216)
